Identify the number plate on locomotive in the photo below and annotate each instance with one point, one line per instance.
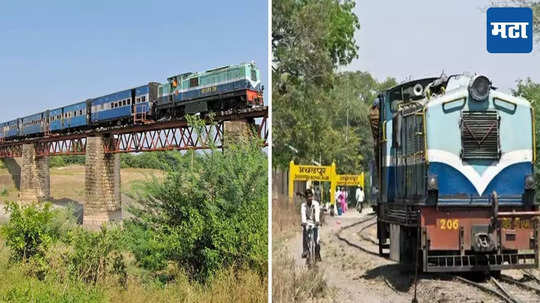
(209, 89)
(515, 223)
(448, 224)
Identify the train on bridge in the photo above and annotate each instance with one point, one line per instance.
(217, 90)
(455, 175)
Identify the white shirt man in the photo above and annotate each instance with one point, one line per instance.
(310, 214)
(360, 196)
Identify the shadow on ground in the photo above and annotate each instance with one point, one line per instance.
(400, 277)
(75, 207)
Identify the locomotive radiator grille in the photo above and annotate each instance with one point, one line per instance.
(480, 135)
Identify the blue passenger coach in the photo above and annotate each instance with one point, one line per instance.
(111, 107)
(56, 117)
(9, 129)
(75, 115)
(68, 117)
(124, 104)
(33, 124)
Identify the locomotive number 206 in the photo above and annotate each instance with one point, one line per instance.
(448, 224)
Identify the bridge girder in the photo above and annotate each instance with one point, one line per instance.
(157, 136)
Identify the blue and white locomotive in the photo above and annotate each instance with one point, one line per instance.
(221, 89)
(456, 182)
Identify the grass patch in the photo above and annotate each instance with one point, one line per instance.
(285, 216)
(228, 286)
(294, 284)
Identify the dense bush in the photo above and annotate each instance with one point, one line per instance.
(30, 230)
(57, 161)
(149, 250)
(86, 256)
(76, 159)
(96, 255)
(208, 214)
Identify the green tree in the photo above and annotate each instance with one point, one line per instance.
(310, 39)
(353, 95)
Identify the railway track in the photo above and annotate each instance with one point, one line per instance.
(366, 223)
(509, 289)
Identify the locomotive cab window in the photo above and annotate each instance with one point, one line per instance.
(480, 135)
(253, 75)
(194, 82)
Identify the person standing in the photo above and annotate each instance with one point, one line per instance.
(360, 196)
(342, 200)
(337, 203)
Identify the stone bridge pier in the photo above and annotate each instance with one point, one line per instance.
(30, 174)
(236, 131)
(102, 184)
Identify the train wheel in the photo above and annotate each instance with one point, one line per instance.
(380, 238)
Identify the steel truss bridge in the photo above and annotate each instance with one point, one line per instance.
(156, 136)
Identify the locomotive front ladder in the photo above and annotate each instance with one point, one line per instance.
(139, 117)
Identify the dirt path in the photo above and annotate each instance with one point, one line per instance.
(359, 276)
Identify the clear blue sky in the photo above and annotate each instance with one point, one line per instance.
(54, 53)
(422, 38)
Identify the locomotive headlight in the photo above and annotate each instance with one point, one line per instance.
(479, 88)
(530, 182)
(433, 182)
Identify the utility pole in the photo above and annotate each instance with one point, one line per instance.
(347, 130)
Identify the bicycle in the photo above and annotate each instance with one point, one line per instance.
(311, 258)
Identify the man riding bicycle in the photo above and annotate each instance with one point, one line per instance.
(310, 211)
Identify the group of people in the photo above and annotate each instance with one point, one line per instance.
(342, 195)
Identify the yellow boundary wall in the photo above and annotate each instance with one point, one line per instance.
(323, 174)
